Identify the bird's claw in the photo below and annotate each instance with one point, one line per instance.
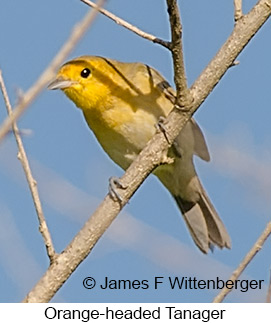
(161, 126)
(114, 183)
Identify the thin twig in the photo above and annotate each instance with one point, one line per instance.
(183, 97)
(250, 255)
(147, 160)
(268, 296)
(237, 9)
(127, 25)
(30, 179)
(76, 34)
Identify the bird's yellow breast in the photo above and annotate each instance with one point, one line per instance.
(122, 129)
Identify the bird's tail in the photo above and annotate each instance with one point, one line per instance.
(203, 222)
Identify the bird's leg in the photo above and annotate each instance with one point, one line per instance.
(161, 127)
(114, 183)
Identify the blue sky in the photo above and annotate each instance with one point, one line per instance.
(149, 237)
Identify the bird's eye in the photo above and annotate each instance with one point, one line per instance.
(85, 72)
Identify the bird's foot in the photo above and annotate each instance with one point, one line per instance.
(115, 183)
(161, 127)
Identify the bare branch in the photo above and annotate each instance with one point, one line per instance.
(151, 156)
(183, 97)
(237, 9)
(250, 255)
(29, 177)
(127, 25)
(76, 34)
(243, 31)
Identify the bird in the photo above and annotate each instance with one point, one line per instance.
(122, 104)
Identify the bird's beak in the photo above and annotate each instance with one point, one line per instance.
(60, 84)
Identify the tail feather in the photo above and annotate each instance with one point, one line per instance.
(204, 224)
(217, 231)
